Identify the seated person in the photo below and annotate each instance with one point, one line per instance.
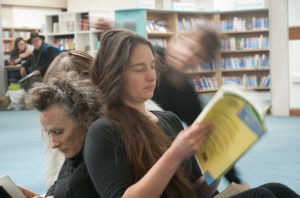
(18, 55)
(76, 61)
(79, 62)
(133, 152)
(38, 63)
(67, 107)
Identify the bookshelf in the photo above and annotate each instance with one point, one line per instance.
(245, 50)
(9, 34)
(78, 30)
(243, 59)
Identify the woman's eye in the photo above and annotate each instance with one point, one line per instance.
(56, 132)
(139, 69)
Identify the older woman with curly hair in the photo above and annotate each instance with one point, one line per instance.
(67, 106)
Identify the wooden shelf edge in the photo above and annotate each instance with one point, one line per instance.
(244, 51)
(245, 70)
(207, 91)
(245, 32)
(200, 72)
(295, 112)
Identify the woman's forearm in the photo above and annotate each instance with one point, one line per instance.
(157, 178)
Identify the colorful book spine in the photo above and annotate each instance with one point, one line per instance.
(244, 23)
(247, 62)
(245, 43)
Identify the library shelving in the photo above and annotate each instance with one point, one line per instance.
(78, 30)
(245, 50)
(244, 56)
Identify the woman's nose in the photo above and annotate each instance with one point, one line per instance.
(54, 142)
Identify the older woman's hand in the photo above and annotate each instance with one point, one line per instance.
(28, 193)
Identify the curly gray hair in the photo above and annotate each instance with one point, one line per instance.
(79, 98)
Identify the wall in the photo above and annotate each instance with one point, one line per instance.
(77, 6)
(111, 5)
(279, 57)
(13, 16)
(228, 5)
(36, 3)
(294, 58)
(2, 84)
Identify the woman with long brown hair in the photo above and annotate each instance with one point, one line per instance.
(132, 152)
(129, 150)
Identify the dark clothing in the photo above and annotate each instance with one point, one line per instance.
(270, 190)
(106, 159)
(73, 181)
(175, 92)
(14, 55)
(41, 59)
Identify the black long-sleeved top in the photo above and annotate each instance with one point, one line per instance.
(106, 158)
(41, 59)
(175, 92)
(73, 181)
(15, 55)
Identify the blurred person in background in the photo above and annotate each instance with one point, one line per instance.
(175, 91)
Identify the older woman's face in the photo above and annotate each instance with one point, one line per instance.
(65, 134)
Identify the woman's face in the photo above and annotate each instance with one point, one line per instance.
(65, 134)
(140, 76)
(21, 45)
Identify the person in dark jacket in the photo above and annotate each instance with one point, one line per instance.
(41, 58)
(175, 91)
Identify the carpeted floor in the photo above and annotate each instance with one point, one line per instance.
(276, 158)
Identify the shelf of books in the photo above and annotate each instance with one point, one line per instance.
(243, 59)
(245, 50)
(78, 30)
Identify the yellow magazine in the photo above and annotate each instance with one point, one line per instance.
(238, 124)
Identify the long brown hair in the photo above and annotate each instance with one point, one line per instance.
(144, 141)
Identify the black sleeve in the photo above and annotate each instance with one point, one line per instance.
(27, 64)
(13, 55)
(50, 55)
(106, 160)
(51, 190)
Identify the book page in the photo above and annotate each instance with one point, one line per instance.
(236, 128)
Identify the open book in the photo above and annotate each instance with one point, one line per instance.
(238, 124)
(8, 188)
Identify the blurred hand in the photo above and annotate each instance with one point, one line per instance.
(188, 141)
(36, 72)
(203, 189)
(23, 55)
(28, 193)
(104, 24)
(23, 71)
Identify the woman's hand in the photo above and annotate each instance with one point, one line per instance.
(188, 141)
(204, 190)
(28, 193)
